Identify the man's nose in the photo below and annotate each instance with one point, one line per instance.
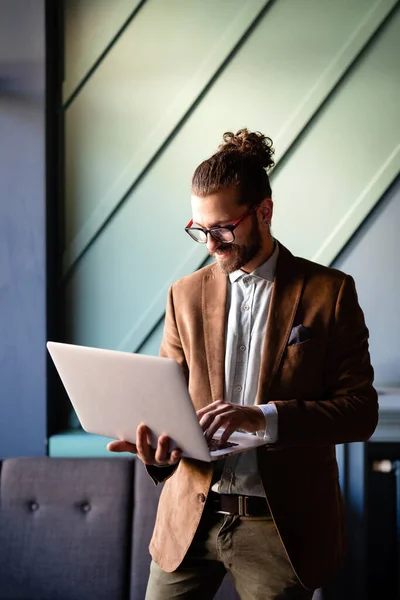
(212, 244)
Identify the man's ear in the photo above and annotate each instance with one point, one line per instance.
(266, 210)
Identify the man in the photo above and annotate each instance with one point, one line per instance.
(273, 345)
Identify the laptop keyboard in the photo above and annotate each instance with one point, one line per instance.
(213, 444)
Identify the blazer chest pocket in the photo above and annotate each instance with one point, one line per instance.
(300, 334)
(302, 352)
(302, 366)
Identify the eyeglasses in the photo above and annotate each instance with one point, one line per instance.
(220, 234)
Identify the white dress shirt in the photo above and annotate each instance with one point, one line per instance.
(248, 301)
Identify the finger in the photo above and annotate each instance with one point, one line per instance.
(222, 420)
(206, 421)
(227, 434)
(142, 429)
(121, 446)
(175, 456)
(208, 408)
(145, 452)
(161, 455)
(208, 418)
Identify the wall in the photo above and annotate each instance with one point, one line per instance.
(22, 229)
(151, 86)
(372, 257)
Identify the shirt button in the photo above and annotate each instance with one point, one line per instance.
(238, 388)
(246, 307)
(242, 348)
(201, 497)
(228, 470)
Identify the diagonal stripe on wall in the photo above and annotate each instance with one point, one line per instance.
(91, 30)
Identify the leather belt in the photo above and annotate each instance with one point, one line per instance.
(244, 506)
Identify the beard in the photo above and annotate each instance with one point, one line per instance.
(239, 254)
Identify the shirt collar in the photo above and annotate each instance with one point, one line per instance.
(264, 271)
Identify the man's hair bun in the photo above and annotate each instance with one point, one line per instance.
(250, 143)
(242, 161)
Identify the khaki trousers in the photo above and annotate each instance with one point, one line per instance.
(249, 548)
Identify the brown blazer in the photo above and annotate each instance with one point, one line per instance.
(323, 392)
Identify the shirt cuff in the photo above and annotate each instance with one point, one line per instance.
(271, 422)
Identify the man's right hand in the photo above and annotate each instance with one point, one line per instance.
(159, 457)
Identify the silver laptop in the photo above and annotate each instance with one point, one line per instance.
(113, 392)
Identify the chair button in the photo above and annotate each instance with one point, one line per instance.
(34, 506)
(201, 498)
(86, 507)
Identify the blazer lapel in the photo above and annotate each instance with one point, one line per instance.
(288, 285)
(214, 292)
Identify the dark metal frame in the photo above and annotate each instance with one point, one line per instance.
(57, 404)
(213, 230)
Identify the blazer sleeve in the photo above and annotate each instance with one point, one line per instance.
(349, 410)
(171, 347)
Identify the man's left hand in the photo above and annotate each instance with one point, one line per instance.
(230, 417)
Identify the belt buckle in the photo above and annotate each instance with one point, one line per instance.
(221, 512)
(243, 506)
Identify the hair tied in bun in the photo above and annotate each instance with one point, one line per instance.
(242, 161)
(249, 143)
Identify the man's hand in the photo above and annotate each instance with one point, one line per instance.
(230, 417)
(159, 457)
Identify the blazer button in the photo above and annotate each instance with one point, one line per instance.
(201, 497)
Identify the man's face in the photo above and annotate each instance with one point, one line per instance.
(222, 209)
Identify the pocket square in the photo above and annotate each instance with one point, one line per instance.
(299, 334)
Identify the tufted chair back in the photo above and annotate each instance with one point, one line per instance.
(65, 528)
